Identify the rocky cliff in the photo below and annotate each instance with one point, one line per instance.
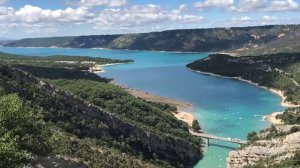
(274, 150)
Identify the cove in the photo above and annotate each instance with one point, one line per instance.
(223, 107)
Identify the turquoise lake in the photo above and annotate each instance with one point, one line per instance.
(224, 107)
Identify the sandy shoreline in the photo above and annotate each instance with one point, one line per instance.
(98, 67)
(182, 106)
(185, 117)
(272, 118)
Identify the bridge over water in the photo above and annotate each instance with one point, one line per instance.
(226, 139)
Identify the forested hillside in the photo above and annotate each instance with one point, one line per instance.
(197, 40)
(84, 122)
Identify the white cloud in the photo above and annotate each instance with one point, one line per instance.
(109, 3)
(250, 5)
(137, 18)
(142, 15)
(32, 14)
(227, 4)
(30, 19)
(283, 5)
(248, 21)
(2, 2)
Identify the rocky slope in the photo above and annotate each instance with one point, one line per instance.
(287, 42)
(276, 149)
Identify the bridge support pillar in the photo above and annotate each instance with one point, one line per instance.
(207, 142)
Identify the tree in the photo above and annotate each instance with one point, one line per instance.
(196, 126)
(252, 136)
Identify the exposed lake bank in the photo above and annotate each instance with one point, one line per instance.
(182, 107)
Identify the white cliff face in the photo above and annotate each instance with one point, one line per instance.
(280, 148)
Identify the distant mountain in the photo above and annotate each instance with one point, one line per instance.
(5, 39)
(197, 40)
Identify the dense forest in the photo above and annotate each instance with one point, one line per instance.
(83, 121)
(237, 39)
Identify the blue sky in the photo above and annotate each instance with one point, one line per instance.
(44, 18)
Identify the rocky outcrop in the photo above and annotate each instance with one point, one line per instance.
(169, 148)
(279, 148)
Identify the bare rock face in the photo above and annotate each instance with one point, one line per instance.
(263, 149)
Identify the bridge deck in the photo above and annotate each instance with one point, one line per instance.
(203, 135)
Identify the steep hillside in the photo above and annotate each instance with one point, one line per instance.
(88, 123)
(198, 40)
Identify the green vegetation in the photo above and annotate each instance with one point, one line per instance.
(279, 71)
(291, 162)
(252, 136)
(195, 126)
(59, 66)
(60, 73)
(198, 40)
(22, 133)
(124, 105)
(290, 116)
(58, 61)
(120, 131)
(25, 138)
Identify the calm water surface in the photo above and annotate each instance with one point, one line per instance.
(224, 107)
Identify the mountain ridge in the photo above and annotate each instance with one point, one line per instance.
(187, 40)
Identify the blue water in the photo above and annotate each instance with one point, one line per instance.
(224, 107)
